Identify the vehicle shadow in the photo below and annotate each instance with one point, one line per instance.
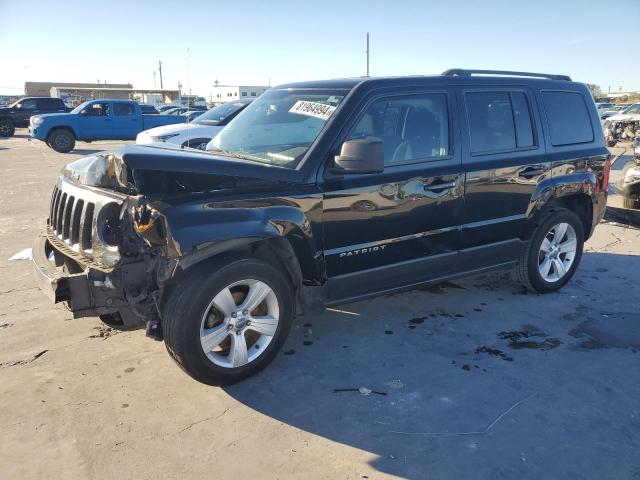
(451, 395)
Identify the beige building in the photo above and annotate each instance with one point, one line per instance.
(43, 89)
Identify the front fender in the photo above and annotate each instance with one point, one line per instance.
(42, 131)
(197, 232)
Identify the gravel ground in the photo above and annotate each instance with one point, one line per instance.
(472, 379)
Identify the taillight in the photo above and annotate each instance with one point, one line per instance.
(603, 177)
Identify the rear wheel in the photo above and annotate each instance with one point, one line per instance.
(7, 129)
(61, 140)
(553, 254)
(227, 320)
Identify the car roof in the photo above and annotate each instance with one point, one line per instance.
(453, 78)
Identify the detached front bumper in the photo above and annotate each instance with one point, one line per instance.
(87, 293)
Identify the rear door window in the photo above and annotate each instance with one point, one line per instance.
(499, 121)
(569, 120)
(123, 109)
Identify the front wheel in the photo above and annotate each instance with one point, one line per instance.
(227, 320)
(553, 254)
(7, 129)
(62, 141)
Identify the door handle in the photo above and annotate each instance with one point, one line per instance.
(434, 187)
(107, 119)
(531, 172)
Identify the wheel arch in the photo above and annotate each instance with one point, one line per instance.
(61, 127)
(574, 192)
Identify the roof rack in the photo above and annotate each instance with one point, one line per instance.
(460, 72)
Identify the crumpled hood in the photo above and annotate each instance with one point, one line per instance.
(162, 172)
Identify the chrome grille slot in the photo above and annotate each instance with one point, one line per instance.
(59, 213)
(66, 217)
(75, 222)
(86, 227)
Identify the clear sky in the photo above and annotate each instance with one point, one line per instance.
(252, 42)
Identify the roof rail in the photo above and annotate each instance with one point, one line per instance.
(460, 72)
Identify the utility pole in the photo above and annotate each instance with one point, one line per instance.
(160, 71)
(367, 54)
(154, 80)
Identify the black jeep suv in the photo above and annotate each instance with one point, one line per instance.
(19, 113)
(322, 193)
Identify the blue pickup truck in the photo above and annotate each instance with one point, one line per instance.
(96, 120)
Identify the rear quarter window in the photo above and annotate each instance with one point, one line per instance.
(568, 116)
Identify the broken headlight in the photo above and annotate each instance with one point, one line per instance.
(101, 170)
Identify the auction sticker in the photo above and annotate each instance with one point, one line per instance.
(312, 109)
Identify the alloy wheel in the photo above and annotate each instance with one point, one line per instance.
(239, 323)
(557, 252)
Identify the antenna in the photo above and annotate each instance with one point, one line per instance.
(367, 52)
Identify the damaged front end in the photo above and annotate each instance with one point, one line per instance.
(102, 248)
(621, 130)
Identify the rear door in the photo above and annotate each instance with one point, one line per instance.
(96, 122)
(127, 120)
(504, 159)
(399, 227)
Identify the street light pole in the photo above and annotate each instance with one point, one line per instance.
(367, 54)
(160, 71)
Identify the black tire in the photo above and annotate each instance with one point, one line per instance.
(631, 203)
(527, 270)
(7, 128)
(61, 140)
(189, 300)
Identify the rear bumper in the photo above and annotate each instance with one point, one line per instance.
(88, 293)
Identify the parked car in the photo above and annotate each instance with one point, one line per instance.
(199, 131)
(148, 109)
(174, 111)
(191, 115)
(216, 251)
(629, 184)
(19, 113)
(623, 126)
(163, 108)
(603, 107)
(95, 120)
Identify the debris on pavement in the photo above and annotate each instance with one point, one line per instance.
(22, 255)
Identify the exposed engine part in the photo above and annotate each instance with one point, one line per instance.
(623, 130)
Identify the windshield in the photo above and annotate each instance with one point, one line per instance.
(80, 107)
(218, 114)
(279, 127)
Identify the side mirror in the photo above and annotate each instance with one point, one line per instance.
(19, 105)
(84, 112)
(362, 155)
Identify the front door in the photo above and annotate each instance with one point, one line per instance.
(96, 122)
(399, 227)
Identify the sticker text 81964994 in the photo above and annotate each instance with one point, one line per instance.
(312, 109)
